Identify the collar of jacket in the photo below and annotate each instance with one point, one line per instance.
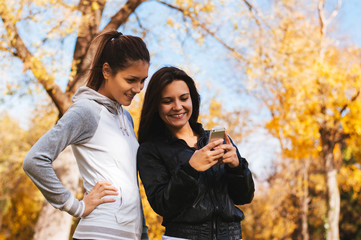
(198, 128)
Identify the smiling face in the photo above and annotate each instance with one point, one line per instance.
(175, 107)
(124, 84)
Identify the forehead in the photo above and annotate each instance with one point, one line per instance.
(137, 69)
(175, 88)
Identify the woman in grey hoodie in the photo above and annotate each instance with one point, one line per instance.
(102, 137)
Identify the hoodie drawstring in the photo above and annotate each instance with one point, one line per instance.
(122, 124)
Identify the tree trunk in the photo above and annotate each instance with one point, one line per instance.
(333, 199)
(329, 138)
(305, 201)
(52, 223)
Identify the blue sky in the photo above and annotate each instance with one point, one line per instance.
(349, 22)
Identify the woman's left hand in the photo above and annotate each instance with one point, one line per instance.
(230, 153)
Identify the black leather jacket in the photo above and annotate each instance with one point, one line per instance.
(183, 195)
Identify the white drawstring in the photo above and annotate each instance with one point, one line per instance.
(123, 126)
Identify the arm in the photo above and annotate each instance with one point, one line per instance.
(240, 182)
(239, 177)
(167, 194)
(76, 126)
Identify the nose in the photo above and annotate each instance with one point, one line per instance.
(177, 105)
(138, 87)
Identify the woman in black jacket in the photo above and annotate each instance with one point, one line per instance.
(191, 183)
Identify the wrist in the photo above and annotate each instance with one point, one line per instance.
(190, 170)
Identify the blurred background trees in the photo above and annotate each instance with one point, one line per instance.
(286, 74)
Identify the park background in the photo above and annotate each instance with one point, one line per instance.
(283, 76)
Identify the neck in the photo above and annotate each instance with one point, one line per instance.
(185, 132)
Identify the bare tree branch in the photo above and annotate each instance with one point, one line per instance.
(202, 26)
(254, 10)
(123, 14)
(5, 49)
(144, 30)
(321, 16)
(88, 29)
(354, 97)
(53, 29)
(324, 22)
(335, 11)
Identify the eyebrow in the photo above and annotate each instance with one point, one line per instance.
(135, 77)
(131, 76)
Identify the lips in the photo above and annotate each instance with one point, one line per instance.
(130, 96)
(178, 116)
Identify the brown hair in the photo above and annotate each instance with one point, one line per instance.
(150, 122)
(119, 51)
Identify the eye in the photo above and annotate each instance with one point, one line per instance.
(184, 99)
(165, 101)
(131, 80)
(143, 80)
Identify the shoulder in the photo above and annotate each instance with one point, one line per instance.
(85, 107)
(145, 146)
(151, 147)
(83, 113)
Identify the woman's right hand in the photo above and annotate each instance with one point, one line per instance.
(95, 196)
(207, 156)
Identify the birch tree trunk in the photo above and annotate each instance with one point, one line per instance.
(333, 200)
(329, 140)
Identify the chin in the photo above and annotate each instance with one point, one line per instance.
(178, 126)
(124, 103)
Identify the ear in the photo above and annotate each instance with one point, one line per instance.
(106, 70)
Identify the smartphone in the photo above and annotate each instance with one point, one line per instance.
(216, 133)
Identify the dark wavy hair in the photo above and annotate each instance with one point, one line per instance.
(151, 124)
(119, 51)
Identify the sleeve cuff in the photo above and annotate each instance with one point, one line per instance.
(239, 170)
(74, 207)
(188, 169)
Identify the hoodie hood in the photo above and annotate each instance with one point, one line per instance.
(88, 93)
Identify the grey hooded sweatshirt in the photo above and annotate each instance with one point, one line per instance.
(103, 141)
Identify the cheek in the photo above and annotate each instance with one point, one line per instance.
(190, 106)
(161, 112)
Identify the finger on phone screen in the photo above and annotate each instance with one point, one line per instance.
(226, 138)
(214, 144)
